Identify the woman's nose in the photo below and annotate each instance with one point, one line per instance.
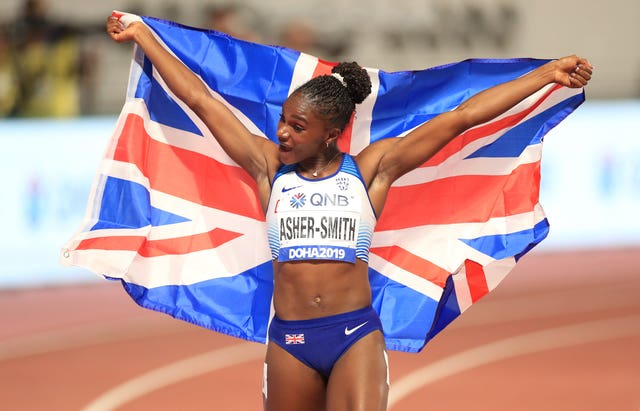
(282, 133)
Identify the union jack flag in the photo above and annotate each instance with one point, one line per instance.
(294, 339)
(179, 223)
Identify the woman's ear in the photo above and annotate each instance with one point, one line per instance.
(333, 135)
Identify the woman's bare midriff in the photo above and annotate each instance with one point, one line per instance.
(313, 289)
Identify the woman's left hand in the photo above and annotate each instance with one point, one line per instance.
(572, 71)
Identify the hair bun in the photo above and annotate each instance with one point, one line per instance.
(356, 79)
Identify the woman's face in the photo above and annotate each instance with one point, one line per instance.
(301, 132)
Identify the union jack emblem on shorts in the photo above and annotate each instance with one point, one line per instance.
(294, 339)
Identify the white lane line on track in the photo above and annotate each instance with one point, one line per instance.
(538, 341)
(176, 372)
(553, 304)
(493, 312)
(82, 336)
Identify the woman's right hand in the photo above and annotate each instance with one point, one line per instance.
(572, 71)
(121, 33)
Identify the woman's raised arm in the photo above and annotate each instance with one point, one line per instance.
(253, 153)
(401, 155)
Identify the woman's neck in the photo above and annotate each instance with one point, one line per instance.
(316, 166)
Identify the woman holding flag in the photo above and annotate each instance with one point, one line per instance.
(326, 348)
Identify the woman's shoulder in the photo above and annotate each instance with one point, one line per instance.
(368, 160)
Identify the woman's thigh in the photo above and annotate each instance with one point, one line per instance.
(290, 384)
(359, 379)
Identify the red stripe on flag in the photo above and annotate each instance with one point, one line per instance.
(184, 245)
(476, 280)
(121, 243)
(323, 67)
(462, 199)
(187, 174)
(413, 264)
(487, 129)
(344, 141)
(155, 248)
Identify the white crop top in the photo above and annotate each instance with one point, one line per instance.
(325, 219)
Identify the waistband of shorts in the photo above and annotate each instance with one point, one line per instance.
(332, 319)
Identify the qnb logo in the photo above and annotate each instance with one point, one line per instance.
(323, 200)
(298, 200)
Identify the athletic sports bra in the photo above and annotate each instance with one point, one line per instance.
(325, 219)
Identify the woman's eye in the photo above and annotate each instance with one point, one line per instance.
(296, 127)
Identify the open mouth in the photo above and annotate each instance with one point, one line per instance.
(284, 149)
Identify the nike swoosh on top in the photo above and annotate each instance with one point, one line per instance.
(285, 189)
(348, 331)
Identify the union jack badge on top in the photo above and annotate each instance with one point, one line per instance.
(294, 339)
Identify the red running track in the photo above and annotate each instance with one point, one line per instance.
(562, 332)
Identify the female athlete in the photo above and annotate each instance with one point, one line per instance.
(326, 349)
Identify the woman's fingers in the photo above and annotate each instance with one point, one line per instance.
(578, 70)
(582, 74)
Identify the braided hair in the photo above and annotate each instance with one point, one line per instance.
(334, 97)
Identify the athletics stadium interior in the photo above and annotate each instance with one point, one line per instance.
(63, 83)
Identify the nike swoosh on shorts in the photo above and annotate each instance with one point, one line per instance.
(348, 331)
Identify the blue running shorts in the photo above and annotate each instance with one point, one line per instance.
(320, 342)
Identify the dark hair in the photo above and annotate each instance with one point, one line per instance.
(334, 100)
